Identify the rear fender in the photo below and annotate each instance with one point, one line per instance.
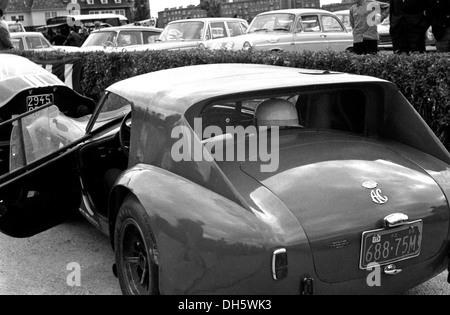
(200, 235)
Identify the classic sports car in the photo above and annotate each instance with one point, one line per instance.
(291, 30)
(196, 33)
(242, 179)
(24, 86)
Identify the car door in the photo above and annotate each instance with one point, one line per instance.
(41, 188)
(338, 38)
(309, 35)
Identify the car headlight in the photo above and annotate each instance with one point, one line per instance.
(247, 46)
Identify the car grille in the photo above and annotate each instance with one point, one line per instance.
(385, 40)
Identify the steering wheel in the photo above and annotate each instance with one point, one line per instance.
(125, 134)
(108, 44)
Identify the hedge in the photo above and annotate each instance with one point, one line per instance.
(423, 78)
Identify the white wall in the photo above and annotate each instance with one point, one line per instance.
(36, 18)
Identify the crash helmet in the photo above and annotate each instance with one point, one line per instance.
(276, 112)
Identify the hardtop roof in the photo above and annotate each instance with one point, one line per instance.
(177, 89)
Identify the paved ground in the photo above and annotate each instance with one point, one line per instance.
(38, 265)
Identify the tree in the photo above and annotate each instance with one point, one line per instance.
(212, 7)
(4, 4)
(141, 10)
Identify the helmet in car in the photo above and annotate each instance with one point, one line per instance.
(276, 112)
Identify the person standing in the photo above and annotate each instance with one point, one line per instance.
(5, 36)
(438, 14)
(364, 22)
(74, 39)
(408, 25)
(58, 39)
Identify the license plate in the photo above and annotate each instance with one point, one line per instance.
(385, 246)
(35, 101)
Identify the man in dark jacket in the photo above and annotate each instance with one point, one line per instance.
(408, 25)
(58, 39)
(74, 39)
(438, 14)
(5, 37)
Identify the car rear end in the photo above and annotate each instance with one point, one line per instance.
(371, 199)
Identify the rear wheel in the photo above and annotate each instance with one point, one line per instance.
(136, 252)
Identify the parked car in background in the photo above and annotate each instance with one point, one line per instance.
(15, 27)
(350, 178)
(36, 41)
(30, 41)
(196, 33)
(291, 30)
(116, 38)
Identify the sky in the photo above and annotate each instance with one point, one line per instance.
(159, 5)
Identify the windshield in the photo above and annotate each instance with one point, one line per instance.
(15, 28)
(272, 22)
(40, 134)
(183, 31)
(99, 39)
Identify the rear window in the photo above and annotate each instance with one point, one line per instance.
(340, 110)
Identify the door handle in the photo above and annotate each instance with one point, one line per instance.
(392, 270)
(323, 36)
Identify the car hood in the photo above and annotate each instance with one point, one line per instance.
(322, 185)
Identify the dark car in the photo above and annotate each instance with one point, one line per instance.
(242, 179)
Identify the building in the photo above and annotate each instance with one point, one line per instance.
(180, 13)
(35, 13)
(248, 9)
(123, 7)
(343, 5)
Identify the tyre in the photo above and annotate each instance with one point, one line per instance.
(135, 250)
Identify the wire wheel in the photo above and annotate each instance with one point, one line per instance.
(135, 259)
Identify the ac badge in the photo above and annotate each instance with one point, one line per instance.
(376, 194)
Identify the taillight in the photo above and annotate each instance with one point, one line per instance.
(279, 264)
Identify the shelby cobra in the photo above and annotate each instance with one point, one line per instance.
(242, 179)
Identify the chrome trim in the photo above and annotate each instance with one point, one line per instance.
(392, 270)
(274, 258)
(370, 184)
(395, 219)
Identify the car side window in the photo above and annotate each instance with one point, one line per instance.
(310, 23)
(235, 28)
(331, 24)
(218, 30)
(129, 39)
(33, 42)
(150, 37)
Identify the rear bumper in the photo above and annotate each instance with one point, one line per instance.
(409, 278)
